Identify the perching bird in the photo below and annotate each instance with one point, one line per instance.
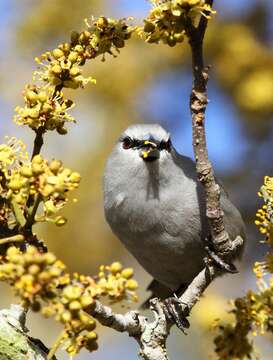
(155, 205)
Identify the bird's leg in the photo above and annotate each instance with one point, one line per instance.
(176, 312)
(216, 259)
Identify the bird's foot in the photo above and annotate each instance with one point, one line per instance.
(176, 312)
(212, 256)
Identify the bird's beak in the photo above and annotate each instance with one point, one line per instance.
(149, 151)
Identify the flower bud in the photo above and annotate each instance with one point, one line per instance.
(102, 22)
(74, 71)
(42, 96)
(34, 269)
(79, 49)
(75, 306)
(55, 166)
(65, 47)
(62, 130)
(60, 221)
(37, 159)
(66, 316)
(31, 96)
(37, 169)
(115, 267)
(15, 184)
(26, 171)
(75, 177)
(131, 284)
(73, 57)
(57, 53)
(47, 107)
(33, 113)
(47, 191)
(56, 69)
(49, 258)
(127, 273)
(91, 335)
(72, 292)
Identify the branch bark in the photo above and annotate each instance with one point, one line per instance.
(15, 344)
(152, 336)
(198, 103)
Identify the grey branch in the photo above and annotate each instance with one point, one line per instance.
(152, 335)
(198, 103)
(15, 344)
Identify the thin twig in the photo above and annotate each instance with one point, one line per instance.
(19, 216)
(198, 102)
(56, 346)
(31, 218)
(38, 141)
(152, 336)
(12, 239)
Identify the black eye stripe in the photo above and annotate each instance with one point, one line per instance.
(165, 145)
(129, 143)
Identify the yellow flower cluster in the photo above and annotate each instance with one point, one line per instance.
(32, 275)
(252, 313)
(168, 19)
(45, 105)
(108, 35)
(265, 214)
(44, 109)
(12, 153)
(264, 267)
(34, 190)
(117, 282)
(47, 182)
(72, 307)
(232, 343)
(62, 66)
(41, 281)
(50, 181)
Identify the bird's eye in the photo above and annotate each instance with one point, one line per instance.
(127, 143)
(166, 145)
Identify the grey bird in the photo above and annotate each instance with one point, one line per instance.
(155, 205)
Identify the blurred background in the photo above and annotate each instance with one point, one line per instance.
(148, 83)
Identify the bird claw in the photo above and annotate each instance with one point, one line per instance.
(176, 312)
(218, 261)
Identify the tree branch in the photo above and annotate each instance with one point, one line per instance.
(38, 141)
(198, 102)
(14, 340)
(12, 239)
(152, 336)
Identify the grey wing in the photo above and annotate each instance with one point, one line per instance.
(233, 221)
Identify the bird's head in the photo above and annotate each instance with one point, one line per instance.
(145, 142)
